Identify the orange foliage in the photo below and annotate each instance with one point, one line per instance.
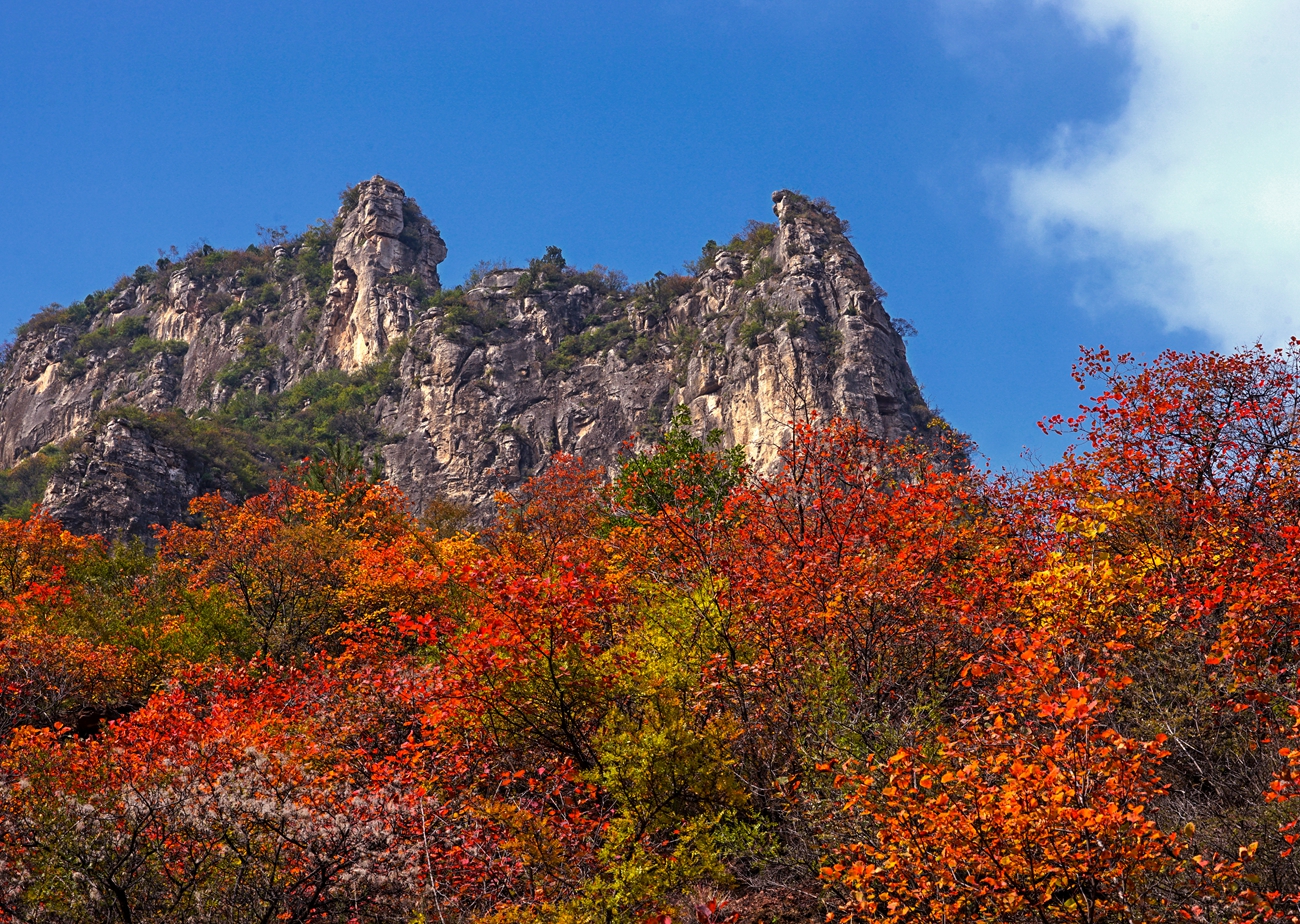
(1030, 809)
(877, 683)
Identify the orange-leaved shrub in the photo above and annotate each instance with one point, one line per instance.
(874, 683)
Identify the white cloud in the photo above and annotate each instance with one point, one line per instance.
(1192, 196)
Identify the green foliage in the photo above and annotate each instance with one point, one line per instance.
(253, 269)
(600, 280)
(590, 342)
(109, 337)
(553, 258)
(830, 335)
(124, 600)
(251, 277)
(54, 314)
(150, 347)
(207, 264)
(174, 347)
(750, 331)
(411, 281)
(551, 273)
(460, 315)
(903, 327)
(22, 486)
(637, 877)
(235, 313)
(463, 320)
(684, 340)
(349, 198)
(223, 454)
(218, 303)
(259, 289)
(761, 317)
(524, 285)
(819, 210)
(667, 769)
(761, 269)
(239, 447)
(46, 318)
(545, 274)
(659, 768)
(708, 254)
(341, 466)
(482, 269)
(314, 261)
(97, 302)
(683, 471)
(753, 239)
(311, 416)
(656, 295)
(124, 345)
(73, 367)
(445, 298)
(256, 355)
(272, 237)
(641, 350)
(413, 222)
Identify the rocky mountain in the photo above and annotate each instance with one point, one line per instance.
(211, 371)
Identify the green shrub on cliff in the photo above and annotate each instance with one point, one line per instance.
(552, 273)
(124, 345)
(590, 342)
(22, 486)
(314, 261)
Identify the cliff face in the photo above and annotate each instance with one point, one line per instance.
(255, 356)
(192, 334)
(123, 482)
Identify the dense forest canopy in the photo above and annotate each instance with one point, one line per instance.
(881, 685)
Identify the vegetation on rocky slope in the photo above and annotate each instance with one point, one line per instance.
(23, 486)
(543, 357)
(254, 437)
(873, 685)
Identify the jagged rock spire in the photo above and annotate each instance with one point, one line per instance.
(383, 234)
(782, 323)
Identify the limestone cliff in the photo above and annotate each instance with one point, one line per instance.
(208, 372)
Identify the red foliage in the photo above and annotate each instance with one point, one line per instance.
(1069, 696)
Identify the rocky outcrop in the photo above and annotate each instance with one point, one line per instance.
(381, 241)
(121, 482)
(747, 355)
(471, 389)
(193, 333)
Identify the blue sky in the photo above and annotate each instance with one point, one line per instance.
(993, 156)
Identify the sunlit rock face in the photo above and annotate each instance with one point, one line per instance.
(474, 388)
(382, 237)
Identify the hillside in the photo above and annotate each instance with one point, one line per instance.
(869, 687)
(214, 370)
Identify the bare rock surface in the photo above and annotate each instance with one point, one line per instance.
(467, 391)
(122, 482)
(381, 238)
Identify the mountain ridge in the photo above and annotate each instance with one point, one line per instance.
(212, 371)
